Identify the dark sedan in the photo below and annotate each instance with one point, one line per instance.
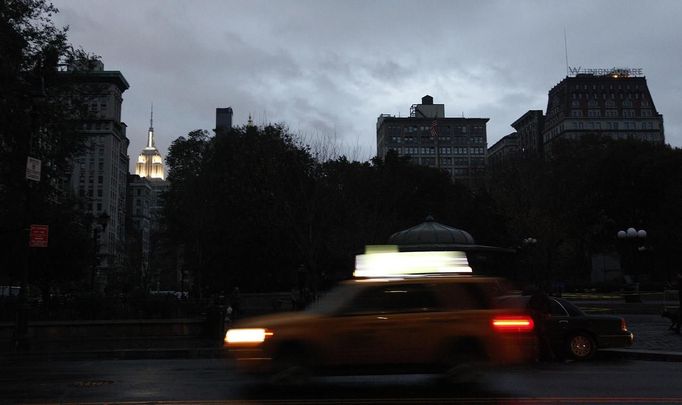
(573, 333)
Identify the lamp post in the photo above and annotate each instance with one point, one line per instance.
(100, 227)
(632, 239)
(528, 244)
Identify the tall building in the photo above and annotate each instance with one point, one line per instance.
(150, 166)
(99, 174)
(223, 118)
(615, 103)
(454, 144)
(150, 163)
(139, 226)
(148, 187)
(529, 128)
(503, 151)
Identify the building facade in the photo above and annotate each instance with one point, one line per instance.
(529, 128)
(139, 226)
(99, 175)
(503, 151)
(456, 145)
(149, 162)
(148, 186)
(615, 104)
(223, 119)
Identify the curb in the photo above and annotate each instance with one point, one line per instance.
(221, 353)
(124, 354)
(651, 355)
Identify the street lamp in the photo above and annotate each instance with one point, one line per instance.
(632, 234)
(102, 221)
(633, 240)
(529, 243)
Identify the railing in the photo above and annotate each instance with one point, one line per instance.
(154, 306)
(103, 308)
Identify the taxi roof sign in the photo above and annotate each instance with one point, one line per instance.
(405, 264)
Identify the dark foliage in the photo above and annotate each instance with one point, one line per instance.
(38, 118)
(574, 203)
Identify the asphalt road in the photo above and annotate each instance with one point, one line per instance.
(214, 381)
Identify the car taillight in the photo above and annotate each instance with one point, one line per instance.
(515, 323)
(623, 326)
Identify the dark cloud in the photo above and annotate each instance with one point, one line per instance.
(329, 68)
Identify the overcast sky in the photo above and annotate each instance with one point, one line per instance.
(329, 68)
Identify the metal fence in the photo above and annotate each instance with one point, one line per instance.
(91, 307)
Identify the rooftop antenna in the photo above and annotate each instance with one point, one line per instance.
(566, 51)
(150, 135)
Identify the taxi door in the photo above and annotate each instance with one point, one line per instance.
(383, 325)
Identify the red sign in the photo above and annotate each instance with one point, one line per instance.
(39, 234)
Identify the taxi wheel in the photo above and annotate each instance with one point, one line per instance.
(464, 364)
(290, 369)
(581, 346)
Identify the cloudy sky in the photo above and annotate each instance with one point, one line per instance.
(328, 68)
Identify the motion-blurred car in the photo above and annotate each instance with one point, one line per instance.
(418, 324)
(573, 333)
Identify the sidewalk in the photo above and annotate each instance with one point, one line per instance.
(121, 348)
(653, 339)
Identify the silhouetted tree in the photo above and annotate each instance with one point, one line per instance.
(39, 115)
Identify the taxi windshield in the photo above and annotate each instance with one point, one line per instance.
(334, 300)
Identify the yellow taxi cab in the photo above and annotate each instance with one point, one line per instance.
(405, 324)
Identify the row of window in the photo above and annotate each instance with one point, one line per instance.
(441, 130)
(451, 162)
(97, 126)
(627, 113)
(82, 192)
(603, 87)
(614, 125)
(443, 150)
(621, 135)
(609, 104)
(605, 96)
(461, 140)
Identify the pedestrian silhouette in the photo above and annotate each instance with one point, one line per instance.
(539, 307)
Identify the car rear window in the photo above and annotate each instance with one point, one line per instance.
(572, 309)
(556, 309)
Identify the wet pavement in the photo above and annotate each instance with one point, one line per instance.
(654, 340)
(652, 333)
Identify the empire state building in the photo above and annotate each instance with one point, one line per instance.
(150, 163)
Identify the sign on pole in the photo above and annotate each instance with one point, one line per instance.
(33, 169)
(39, 236)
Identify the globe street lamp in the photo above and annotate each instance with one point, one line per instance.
(632, 240)
(528, 244)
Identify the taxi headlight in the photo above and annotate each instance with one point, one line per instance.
(250, 335)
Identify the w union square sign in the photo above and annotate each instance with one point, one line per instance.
(614, 71)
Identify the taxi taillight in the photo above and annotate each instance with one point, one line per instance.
(511, 324)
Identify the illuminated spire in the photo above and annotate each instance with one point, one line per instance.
(150, 135)
(150, 162)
